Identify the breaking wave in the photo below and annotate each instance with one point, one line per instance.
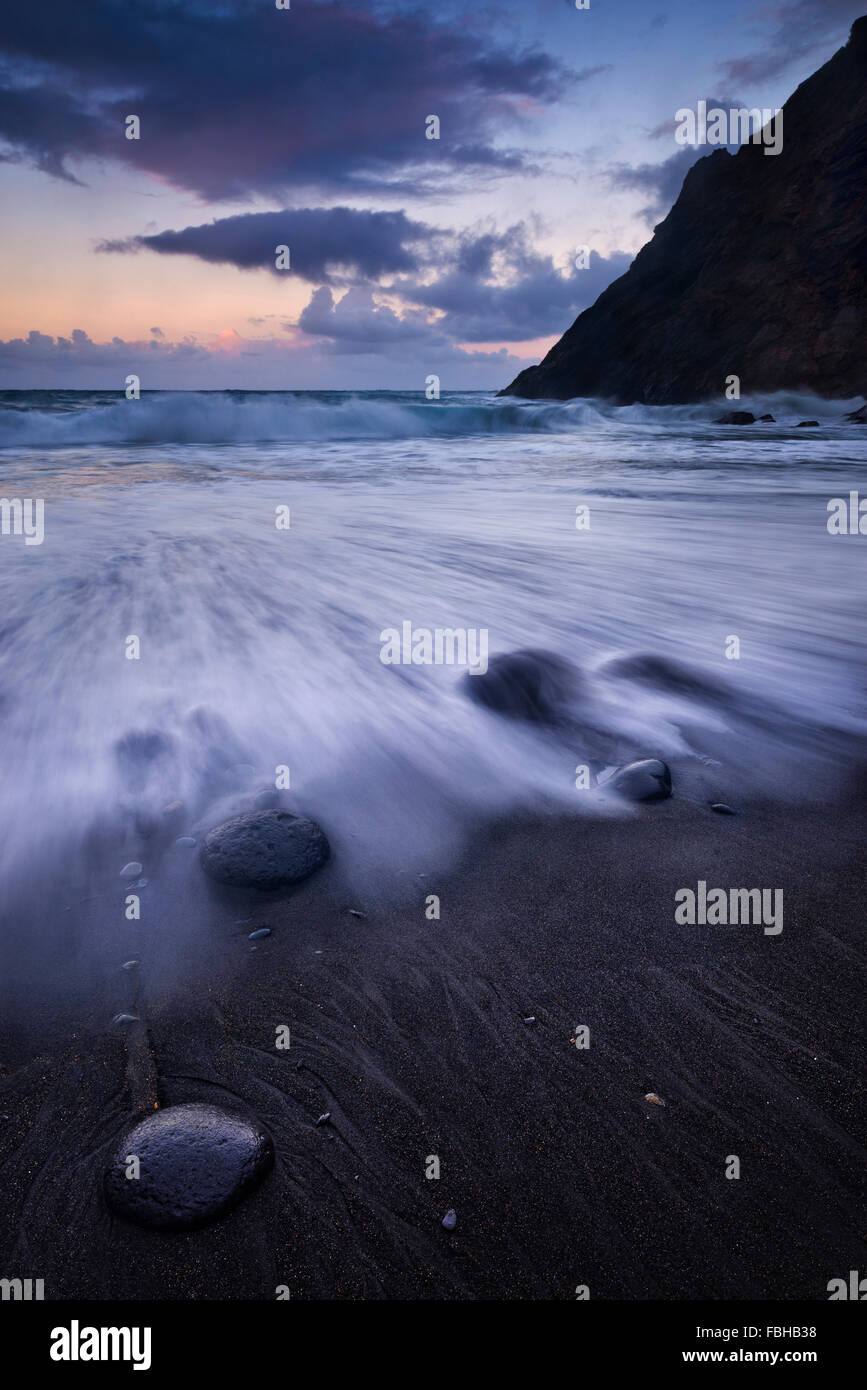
(36, 419)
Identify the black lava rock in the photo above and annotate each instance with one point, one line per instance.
(808, 424)
(736, 417)
(532, 685)
(195, 1163)
(264, 849)
(649, 780)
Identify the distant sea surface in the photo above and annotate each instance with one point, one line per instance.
(260, 646)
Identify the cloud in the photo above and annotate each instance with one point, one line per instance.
(232, 361)
(659, 183)
(499, 289)
(796, 31)
(242, 99)
(358, 324)
(321, 241)
(487, 286)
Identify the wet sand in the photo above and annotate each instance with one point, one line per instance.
(411, 1034)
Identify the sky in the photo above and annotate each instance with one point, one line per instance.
(308, 128)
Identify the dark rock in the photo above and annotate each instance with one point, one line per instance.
(767, 420)
(450, 1220)
(648, 780)
(260, 934)
(195, 1161)
(858, 416)
(729, 280)
(736, 417)
(264, 849)
(140, 751)
(808, 425)
(323, 1119)
(533, 685)
(722, 809)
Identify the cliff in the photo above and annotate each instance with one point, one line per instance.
(759, 270)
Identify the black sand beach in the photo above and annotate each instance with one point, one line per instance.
(411, 1033)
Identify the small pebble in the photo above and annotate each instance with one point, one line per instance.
(130, 964)
(172, 807)
(126, 1018)
(531, 1019)
(721, 808)
(450, 1220)
(142, 883)
(131, 870)
(260, 934)
(654, 1098)
(299, 1066)
(353, 912)
(185, 842)
(323, 1119)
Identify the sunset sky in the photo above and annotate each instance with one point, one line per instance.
(306, 127)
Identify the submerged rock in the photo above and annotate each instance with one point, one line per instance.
(722, 809)
(736, 417)
(534, 685)
(131, 870)
(808, 424)
(195, 1162)
(649, 780)
(859, 417)
(264, 849)
(767, 420)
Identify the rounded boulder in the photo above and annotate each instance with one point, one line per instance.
(264, 849)
(193, 1163)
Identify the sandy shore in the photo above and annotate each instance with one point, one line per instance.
(411, 1034)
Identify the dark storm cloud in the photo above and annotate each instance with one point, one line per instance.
(241, 98)
(797, 30)
(320, 240)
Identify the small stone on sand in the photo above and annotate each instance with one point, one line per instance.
(654, 1099)
(131, 870)
(450, 1220)
(722, 809)
(260, 934)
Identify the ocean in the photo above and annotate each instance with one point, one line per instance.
(635, 542)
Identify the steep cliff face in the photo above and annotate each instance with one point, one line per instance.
(759, 270)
